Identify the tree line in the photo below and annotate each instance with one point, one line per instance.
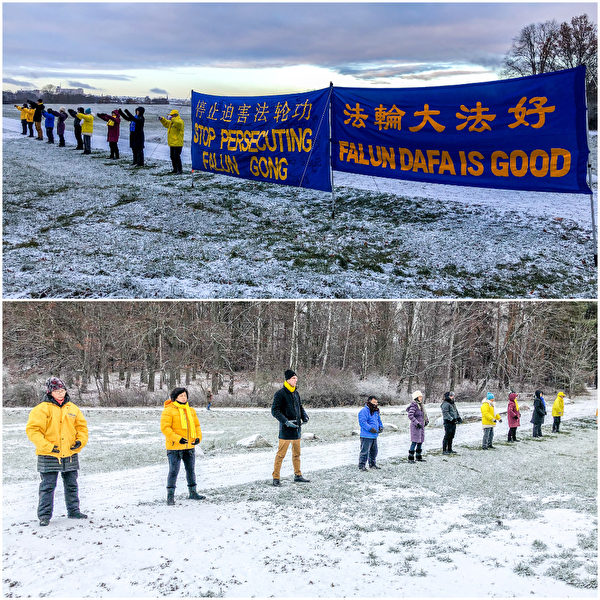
(434, 346)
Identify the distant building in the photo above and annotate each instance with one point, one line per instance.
(69, 91)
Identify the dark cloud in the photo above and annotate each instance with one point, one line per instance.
(23, 84)
(85, 86)
(159, 91)
(124, 37)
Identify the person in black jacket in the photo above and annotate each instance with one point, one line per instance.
(287, 409)
(37, 116)
(451, 418)
(77, 126)
(136, 133)
(539, 413)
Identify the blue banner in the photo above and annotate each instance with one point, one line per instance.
(280, 139)
(522, 134)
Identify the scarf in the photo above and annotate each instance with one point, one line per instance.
(516, 405)
(187, 419)
(289, 387)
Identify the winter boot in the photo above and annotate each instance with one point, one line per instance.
(276, 483)
(44, 521)
(374, 467)
(194, 495)
(170, 497)
(300, 479)
(362, 468)
(411, 456)
(77, 515)
(420, 457)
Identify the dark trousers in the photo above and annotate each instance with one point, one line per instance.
(512, 434)
(50, 135)
(537, 430)
(114, 149)
(488, 437)
(556, 425)
(138, 156)
(30, 127)
(79, 138)
(176, 158)
(189, 461)
(450, 430)
(87, 144)
(47, 487)
(61, 139)
(368, 449)
(24, 126)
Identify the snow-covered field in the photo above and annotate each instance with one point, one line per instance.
(519, 521)
(87, 227)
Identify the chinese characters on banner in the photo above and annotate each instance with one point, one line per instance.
(521, 134)
(280, 139)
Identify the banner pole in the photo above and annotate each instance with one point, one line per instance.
(330, 156)
(589, 176)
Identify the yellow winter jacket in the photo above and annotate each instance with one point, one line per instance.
(24, 112)
(52, 425)
(558, 408)
(488, 417)
(173, 430)
(175, 127)
(30, 114)
(87, 127)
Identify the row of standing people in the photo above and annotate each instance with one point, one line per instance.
(83, 129)
(58, 429)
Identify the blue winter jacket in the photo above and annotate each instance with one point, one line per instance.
(49, 119)
(368, 421)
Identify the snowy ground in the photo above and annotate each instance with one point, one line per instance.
(87, 227)
(519, 521)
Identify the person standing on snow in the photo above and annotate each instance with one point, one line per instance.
(539, 413)
(209, 399)
(24, 114)
(418, 421)
(558, 409)
(451, 418)
(174, 123)
(288, 410)
(59, 432)
(489, 418)
(136, 133)
(87, 129)
(112, 136)
(371, 426)
(49, 124)
(513, 415)
(181, 428)
(37, 116)
(77, 126)
(62, 116)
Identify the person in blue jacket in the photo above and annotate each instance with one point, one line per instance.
(370, 428)
(49, 125)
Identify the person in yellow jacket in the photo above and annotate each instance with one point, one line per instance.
(87, 129)
(558, 409)
(181, 428)
(174, 123)
(489, 417)
(24, 114)
(30, 113)
(59, 432)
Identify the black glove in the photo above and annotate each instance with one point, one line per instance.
(55, 450)
(196, 441)
(419, 426)
(183, 441)
(76, 445)
(290, 424)
(372, 430)
(305, 420)
(380, 429)
(459, 420)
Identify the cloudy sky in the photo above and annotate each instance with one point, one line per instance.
(246, 48)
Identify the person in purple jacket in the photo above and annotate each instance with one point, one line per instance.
(370, 428)
(418, 421)
(113, 120)
(62, 116)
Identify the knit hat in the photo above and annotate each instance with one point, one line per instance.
(80, 109)
(62, 109)
(490, 396)
(512, 396)
(173, 395)
(53, 384)
(288, 374)
(140, 109)
(88, 111)
(416, 394)
(115, 111)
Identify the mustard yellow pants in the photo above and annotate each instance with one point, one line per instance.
(281, 452)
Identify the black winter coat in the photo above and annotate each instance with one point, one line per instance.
(539, 412)
(287, 406)
(136, 128)
(37, 115)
